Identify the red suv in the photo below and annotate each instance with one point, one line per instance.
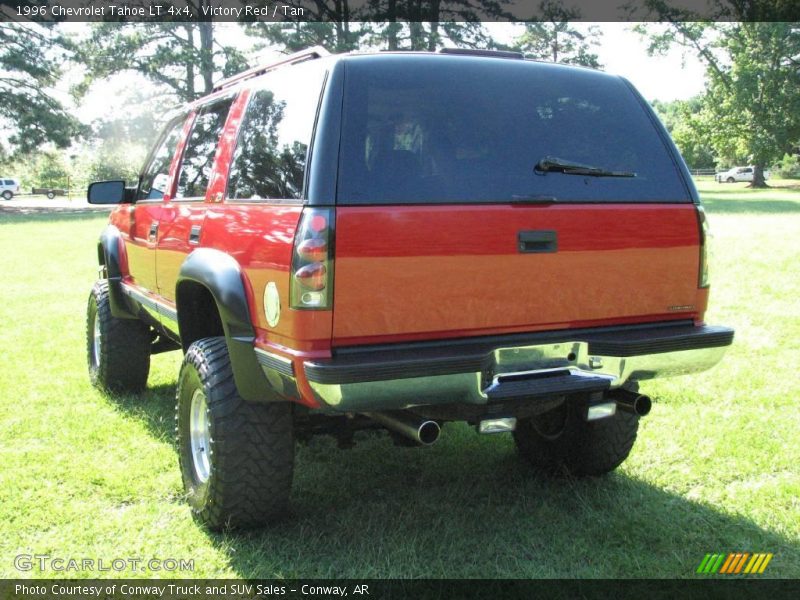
(396, 241)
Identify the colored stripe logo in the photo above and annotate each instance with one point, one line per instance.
(735, 563)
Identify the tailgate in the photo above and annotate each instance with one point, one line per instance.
(427, 272)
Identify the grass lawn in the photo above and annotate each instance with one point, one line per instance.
(715, 468)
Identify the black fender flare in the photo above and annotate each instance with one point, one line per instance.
(109, 255)
(222, 276)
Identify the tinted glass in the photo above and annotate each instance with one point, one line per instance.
(447, 129)
(156, 176)
(270, 156)
(198, 157)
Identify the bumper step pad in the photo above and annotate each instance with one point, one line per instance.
(552, 385)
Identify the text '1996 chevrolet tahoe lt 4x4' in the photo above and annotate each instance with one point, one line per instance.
(396, 241)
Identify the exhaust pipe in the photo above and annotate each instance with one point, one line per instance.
(633, 402)
(422, 431)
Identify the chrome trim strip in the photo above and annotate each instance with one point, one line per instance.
(471, 388)
(281, 364)
(149, 303)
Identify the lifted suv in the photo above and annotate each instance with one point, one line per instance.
(397, 241)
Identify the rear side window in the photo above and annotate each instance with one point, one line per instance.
(471, 130)
(272, 150)
(155, 178)
(201, 147)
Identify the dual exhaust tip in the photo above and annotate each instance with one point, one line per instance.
(426, 431)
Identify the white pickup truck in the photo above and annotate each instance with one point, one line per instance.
(737, 174)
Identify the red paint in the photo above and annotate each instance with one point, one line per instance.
(429, 272)
(424, 272)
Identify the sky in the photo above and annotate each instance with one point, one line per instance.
(623, 52)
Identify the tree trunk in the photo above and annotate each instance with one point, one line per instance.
(417, 31)
(207, 55)
(189, 90)
(392, 28)
(433, 17)
(758, 177)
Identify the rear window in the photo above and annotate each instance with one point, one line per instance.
(470, 130)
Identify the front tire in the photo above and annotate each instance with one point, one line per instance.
(236, 457)
(8, 195)
(117, 350)
(562, 440)
(731, 180)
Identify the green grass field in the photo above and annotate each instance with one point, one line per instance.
(715, 469)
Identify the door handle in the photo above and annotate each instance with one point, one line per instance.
(537, 241)
(153, 232)
(194, 234)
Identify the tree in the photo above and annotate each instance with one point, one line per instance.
(556, 39)
(386, 24)
(183, 57)
(751, 109)
(680, 119)
(30, 56)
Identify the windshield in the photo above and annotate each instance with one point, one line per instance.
(469, 130)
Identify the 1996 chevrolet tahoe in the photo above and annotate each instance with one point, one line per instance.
(396, 241)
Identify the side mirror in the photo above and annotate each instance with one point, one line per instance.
(106, 192)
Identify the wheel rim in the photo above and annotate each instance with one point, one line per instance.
(97, 341)
(200, 436)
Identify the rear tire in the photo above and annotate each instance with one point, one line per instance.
(117, 350)
(562, 440)
(236, 457)
(731, 180)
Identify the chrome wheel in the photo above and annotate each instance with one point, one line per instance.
(200, 436)
(97, 341)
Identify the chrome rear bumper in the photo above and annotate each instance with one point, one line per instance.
(483, 370)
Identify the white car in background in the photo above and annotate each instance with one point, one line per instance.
(8, 187)
(737, 174)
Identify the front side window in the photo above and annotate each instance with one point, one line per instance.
(270, 157)
(198, 158)
(155, 178)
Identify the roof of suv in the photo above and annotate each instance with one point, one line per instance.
(246, 78)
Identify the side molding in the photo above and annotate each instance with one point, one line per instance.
(108, 250)
(221, 275)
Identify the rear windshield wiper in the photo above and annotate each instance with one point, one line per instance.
(552, 164)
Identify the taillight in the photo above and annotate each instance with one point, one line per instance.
(704, 233)
(312, 261)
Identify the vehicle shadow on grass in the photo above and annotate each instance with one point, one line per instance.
(470, 507)
(155, 408)
(724, 206)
